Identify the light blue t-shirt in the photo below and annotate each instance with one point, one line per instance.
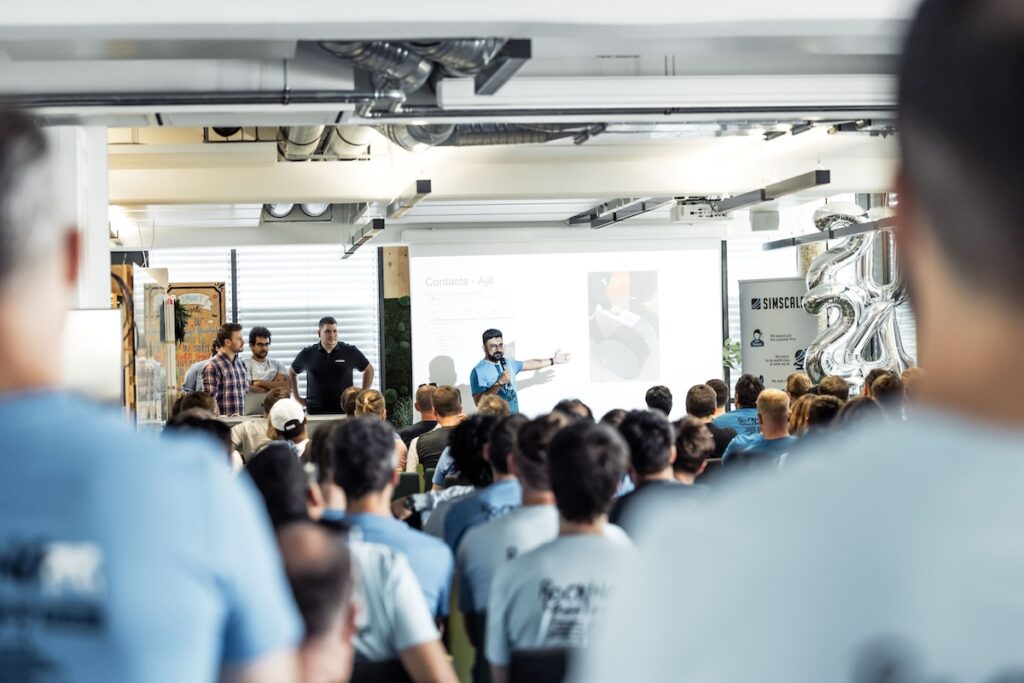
(489, 503)
(773, 448)
(194, 376)
(742, 421)
(891, 552)
(431, 560)
(445, 466)
(129, 558)
(486, 373)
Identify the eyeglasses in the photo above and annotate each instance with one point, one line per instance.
(428, 384)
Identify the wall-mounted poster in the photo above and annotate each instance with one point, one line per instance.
(203, 302)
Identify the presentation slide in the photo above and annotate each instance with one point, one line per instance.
(629, 319)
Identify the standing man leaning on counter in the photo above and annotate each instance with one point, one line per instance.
(265, 374)
(329, 365)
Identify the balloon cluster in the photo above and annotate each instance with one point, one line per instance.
(863, 331)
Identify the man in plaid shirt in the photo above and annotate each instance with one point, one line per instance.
(224, 377)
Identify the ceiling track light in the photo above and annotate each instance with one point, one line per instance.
(801, 128)
(772, 134)
(401, 206)
(798, 183)
(363, 235)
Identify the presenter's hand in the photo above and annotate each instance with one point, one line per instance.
(561, 357)
(505, 378)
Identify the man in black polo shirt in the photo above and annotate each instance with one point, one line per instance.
(328, 366)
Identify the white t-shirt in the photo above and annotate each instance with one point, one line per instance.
(894, 547)
(486, 547)
(393, 614)
(553, 595)
(267, 370)
(433, 523)
(248, 436)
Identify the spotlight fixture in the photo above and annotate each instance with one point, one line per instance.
(401, 205)
(279, 210)
(362, 235)
(801, 128)
(314, 210)
(773, 191)
(772, 134)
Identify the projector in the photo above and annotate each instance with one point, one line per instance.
(696, 211)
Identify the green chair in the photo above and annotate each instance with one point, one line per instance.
(428, 479)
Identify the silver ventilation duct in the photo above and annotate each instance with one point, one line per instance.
(348, 142)
(462, 57)
(418, 138)
(393, 65)
(299, 142)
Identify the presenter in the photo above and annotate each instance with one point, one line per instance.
(496, 375)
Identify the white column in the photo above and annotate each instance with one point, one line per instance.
(81, 190)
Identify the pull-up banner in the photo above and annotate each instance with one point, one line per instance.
(775, 327)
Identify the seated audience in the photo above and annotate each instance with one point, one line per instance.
(424, 405)
(198, 421)
(370, 402)
(870, 380)
(426, 449)
(288, 423)
(798, 384)
(498, 498)
(859, 410)
(196, 399)
(319, 569)
(694, 445)
(701, 404)
(573, 407)
(348, 400)
(659, 398)
(888, 390)
(798, 414)
(721, 390)
(325, 499)
(823, 413)
(743, 420)
(834, 385)
(487, 405)
(468, 442)
(774, 441)
(614, 417)
(248, 436)
(281, 480)
(363, 458)
(493, 405)
(652, 451)
(552, 596)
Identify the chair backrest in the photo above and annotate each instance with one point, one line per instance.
(540, 665)
(428, 478)
(408, 484)
(391, 671)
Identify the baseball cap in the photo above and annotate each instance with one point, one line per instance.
(287, 417)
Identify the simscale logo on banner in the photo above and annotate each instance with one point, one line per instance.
(755, 304)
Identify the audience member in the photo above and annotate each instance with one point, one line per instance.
(319, 569)
(858, 410)
(426, 449)
(224, 377)
(288, 423)
(614, 417)
(701, 404)
(834, 385)
(552, 596)
(912, 378)
(370, 402)
(743, 420)
(281, 481)
(198, 421)
(888, 390)
(694, 445)
(348, 400)
(659, 398)
(798, 384)
(326, 500)
(823, 413)
(363, 459)
(265, 373)
(197, 399)
(493, 405)
(469, 439)
(774, 441)
(798, 414)
(194, 375)
(496, 499)
(573, 407)
(424, 405)
(870, 380)
(248, 436)
(721, 390)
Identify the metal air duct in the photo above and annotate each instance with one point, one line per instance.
(392, 64)
(348, 142)
(299, 142)
(460, 57)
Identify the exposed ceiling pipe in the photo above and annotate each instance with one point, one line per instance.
(299, 142)
(392, 64)
(348, 142)
(418, 138)
(460, 57)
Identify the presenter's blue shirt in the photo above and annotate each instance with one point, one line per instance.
(129, 558)
(497, 500)
(742, 421)
(773, 448)
(486, 373)
(431, 560)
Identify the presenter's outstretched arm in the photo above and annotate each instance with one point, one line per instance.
(558, 358)
(367, 377)
(293, 380)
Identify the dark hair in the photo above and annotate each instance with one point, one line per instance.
(272, 397)
(447, 401)
(748, 388)
(29, 227)
(225, 332)
(199, 421)
(586, 463)
(797, 384)
(467, 443)
(363, 456)
(348, 400)
(694, 444)
(257, 332)
(532, 449)
(721, 390)
(614, 417)
(502, 440)
(834, 385)
(890, 393)
(963, 64)
(326, 320)
(491, 334)
(701, 401)
(650, 439)
(858, 410)
(280, 479)
(319, 570)
(659, 398)
(823, 412)
(214, 347)
(197, 399)
(574, 408)
(869, 380)
(320, 444)
(425, 397)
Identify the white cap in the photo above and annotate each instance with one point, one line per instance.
(287, 416)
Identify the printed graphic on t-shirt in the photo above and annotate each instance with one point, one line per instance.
(569, 611)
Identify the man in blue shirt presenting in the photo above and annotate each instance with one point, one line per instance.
(496, 374)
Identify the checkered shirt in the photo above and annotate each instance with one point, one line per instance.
(227, 381)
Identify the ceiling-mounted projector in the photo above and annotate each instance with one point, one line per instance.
(696, 211)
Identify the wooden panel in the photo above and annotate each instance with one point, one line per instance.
(205, 303)
(396, 272)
